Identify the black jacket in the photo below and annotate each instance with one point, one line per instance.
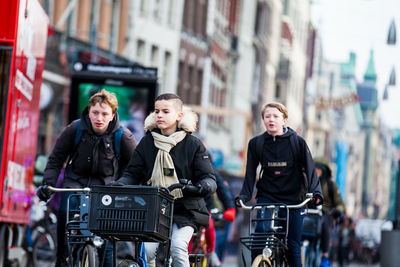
(191, 161)
(282, 179)
(93, 160)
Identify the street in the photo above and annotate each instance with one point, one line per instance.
(233, 262)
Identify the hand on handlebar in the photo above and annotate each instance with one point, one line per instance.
(237, 201)
(43, 193)
(116, 183)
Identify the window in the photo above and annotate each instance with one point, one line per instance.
(154, 56)
(260, 20)
(171, 8)
(167, 68)
(140, 51)
(286, 7)
(199, 86)
(157, 10)
(181, 80)
(189, 85)
(143, 7)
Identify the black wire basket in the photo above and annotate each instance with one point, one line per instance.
(131, 212)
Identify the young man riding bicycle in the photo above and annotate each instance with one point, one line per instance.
(285, 159)
(167, 153)
(93, 161)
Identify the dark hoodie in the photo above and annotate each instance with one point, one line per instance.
(330, 190)
(282, 179)
(93, 161)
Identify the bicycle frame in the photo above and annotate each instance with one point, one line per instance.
(311, 232)
(78, 234)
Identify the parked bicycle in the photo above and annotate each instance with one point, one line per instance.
(42, 236)
(273, 241)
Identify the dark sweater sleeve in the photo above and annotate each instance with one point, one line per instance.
(251, 171)
(62, 149)
(223, 193)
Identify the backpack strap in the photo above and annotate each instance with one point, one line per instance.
(259, 146)
(117, 141)
(78, 134)
(259, 152)
(294, 144)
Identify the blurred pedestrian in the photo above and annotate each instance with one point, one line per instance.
(344, 240)
(332, 207)
(286, 163)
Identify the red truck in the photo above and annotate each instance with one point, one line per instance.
(23, 37)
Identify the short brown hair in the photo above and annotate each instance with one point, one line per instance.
(104, 97)
(178, 103)
(276, 105)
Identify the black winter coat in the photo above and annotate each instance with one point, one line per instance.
(93, 160)
(282, 179)
(191, 161)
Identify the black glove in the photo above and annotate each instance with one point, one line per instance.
(313, 203)
(191, 190)
(43, 193)
(207, 187)
(237, 201)
(116, 183)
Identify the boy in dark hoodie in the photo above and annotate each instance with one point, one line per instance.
(92, 161)
(332, 208)
(282, 179)
(167, 153)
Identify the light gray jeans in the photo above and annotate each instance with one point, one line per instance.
(179, 247)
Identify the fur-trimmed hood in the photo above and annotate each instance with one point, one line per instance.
(188, 122)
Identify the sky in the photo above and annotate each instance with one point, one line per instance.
(359, 26)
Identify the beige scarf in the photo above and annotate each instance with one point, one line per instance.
(164, 171)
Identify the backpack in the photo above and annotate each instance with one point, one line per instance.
(117, 138)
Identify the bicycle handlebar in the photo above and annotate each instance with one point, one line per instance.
(309, 197)
(55, 189)
(188, 187)
(86, 190)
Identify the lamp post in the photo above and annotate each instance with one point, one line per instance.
(390, 240)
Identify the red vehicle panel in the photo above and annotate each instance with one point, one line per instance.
(23, 36)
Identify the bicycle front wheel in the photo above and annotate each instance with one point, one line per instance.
(89, 257)
(260, 261)
(44, 250)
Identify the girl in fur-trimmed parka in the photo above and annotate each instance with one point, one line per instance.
(169, 152)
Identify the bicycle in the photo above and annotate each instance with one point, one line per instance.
(311, 232)
(199, 252)
(273, 242)
(82, 244)
(43, 237)
(129, 213)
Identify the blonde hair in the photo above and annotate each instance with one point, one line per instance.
(104, 97)
(276, 105)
